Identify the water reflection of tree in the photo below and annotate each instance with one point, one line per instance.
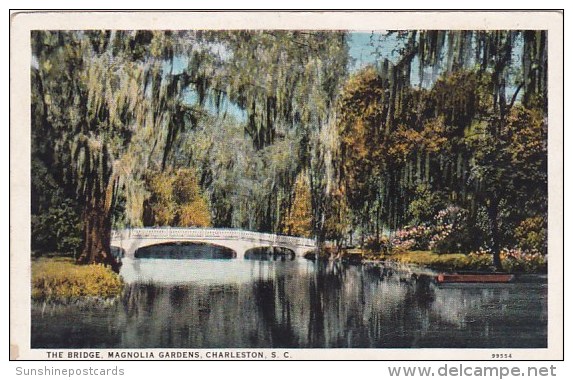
(275, 311)
(180, 315)
(289, 304)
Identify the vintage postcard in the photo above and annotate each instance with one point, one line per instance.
(286, 185)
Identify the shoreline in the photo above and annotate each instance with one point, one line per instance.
(439, 262)
(59, 280)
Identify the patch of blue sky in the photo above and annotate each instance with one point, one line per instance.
(226, 107)
(365, 48)
(369, 48)
(176, 66)
(373, 47)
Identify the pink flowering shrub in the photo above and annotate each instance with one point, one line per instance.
(449, 233)
(449, 230)
(411, 238)
(518, 260)
(444, 235)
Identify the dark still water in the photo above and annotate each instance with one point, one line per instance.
(209, 303)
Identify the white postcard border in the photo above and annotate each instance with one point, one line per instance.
(20, 56)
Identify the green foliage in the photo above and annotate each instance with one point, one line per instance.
(460, 96)
(447, 233)
(480, 261)
(280, 77)
(513, 260)
(511, 184)
(359, 127)
(245, 187)
(62, 280)
(57, 229)
(337, 219)
(93, 93)
(261, 99)
(55, 219)
(531, 235)
(451, 261)
(517, 260)
(425, 204)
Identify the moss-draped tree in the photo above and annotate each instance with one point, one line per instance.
(113, 104)
(451, 130)
(99, 89)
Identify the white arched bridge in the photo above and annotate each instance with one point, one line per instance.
(130, 240)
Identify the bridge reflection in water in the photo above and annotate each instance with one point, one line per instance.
(209, 303)
(130, 241)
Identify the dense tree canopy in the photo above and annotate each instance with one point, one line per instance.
(110, 105)
(265, 130)
(407, 151)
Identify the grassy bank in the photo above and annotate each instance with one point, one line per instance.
(459, 261)
(446, 262)
(62, 279)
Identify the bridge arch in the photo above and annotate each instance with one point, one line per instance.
(239, 241)
(184, 249)
(267, 252)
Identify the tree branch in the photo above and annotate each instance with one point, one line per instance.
(514, 97)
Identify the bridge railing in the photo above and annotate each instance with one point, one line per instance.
(209, 233)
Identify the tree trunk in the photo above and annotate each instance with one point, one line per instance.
(493, 212)
(97, 234)
(378, 223)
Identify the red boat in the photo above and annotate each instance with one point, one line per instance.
(444, 278)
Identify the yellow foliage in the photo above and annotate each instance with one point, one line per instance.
(528, 134)
(61, 278)
(184, 186)
(195, 213)
(163, 213)
(161, 185)
(177, 199)
(406, 140)
(429, 258)
(298, 221)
